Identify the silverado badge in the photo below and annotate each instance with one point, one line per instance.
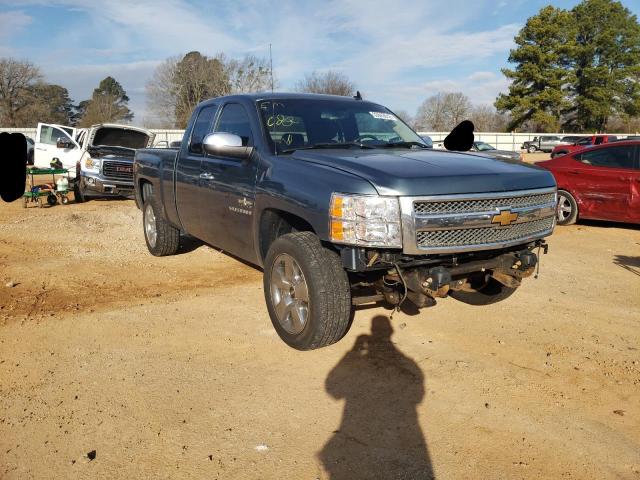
(504, 218)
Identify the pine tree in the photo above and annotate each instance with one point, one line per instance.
(537, 93)
(109, 103)
(606, 62)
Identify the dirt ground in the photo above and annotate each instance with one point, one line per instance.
(170, 368)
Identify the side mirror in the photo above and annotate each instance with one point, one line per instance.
(226, 145)
(64, 143)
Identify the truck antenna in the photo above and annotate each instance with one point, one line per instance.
(271, 67)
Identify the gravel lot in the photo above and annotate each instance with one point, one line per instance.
(170, 368)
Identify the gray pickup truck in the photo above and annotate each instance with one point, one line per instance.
(544, 143)
(341, 204)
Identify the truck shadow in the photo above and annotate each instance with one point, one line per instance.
(632, 264)
(380, 435)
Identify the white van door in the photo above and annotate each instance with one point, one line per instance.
(45, 149)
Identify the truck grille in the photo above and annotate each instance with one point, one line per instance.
(468, 206)
(118, 170)
(483, 221)
(485, 235)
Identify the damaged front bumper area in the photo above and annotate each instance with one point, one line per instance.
(422, 281)
(465, 244)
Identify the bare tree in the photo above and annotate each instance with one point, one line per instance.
(180, 83)
(251, 74)
(330, 82)
(17, 79)
(405, 117)
(443, 111)
(486, 118)
(162, 92)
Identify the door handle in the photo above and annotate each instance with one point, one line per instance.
(574, 172)
(206, 176)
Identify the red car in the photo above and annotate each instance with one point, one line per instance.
(584, 142)
(601, 182)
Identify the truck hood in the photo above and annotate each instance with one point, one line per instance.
(114, 135)
(431, 172)
(112, 153)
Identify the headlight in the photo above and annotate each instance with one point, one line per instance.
(365, 220)
(92, 163)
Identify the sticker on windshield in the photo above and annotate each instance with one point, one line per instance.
(384, 116)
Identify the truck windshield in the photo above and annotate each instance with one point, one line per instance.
(294, 124)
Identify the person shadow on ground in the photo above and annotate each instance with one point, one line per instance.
(379, 436)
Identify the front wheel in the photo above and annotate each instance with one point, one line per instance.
(162, 238)
(307, 292)
(532, 149)
(567, 209)
(484, 291)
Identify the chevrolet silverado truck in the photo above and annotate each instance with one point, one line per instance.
(584, 142)
(341, 204)
(99, 158)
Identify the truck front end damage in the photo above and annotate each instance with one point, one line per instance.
(476, 248)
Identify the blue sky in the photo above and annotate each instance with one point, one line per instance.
(397, 53)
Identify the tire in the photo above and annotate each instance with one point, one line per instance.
(532, 149)
(567, 209)
(64, 199)
(52, 200)
(161, 237)
(492, 292)
(317, 287)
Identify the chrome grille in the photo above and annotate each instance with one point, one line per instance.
(118, 170)
(482, 236)
(480, 205)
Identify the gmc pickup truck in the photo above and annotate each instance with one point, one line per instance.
(583, 142)
(99, 158)
(342, 204)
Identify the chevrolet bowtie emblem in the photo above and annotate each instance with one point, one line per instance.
(504, 218)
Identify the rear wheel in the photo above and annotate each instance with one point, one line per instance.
(162, 238)
(567, 209)
(307, 292)
(484, 291)
(52, 199)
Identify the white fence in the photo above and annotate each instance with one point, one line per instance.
(502, 141)
(508, 141)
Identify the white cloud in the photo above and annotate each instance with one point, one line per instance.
(387, 50)
(12, 22)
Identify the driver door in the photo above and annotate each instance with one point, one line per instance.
(45, 149)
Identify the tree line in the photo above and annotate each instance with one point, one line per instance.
(26, 99)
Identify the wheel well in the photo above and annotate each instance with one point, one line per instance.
(146, 188)
(275, 223)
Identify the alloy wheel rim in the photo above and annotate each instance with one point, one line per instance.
(289, 294)
(150, 226)
(564, 208)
